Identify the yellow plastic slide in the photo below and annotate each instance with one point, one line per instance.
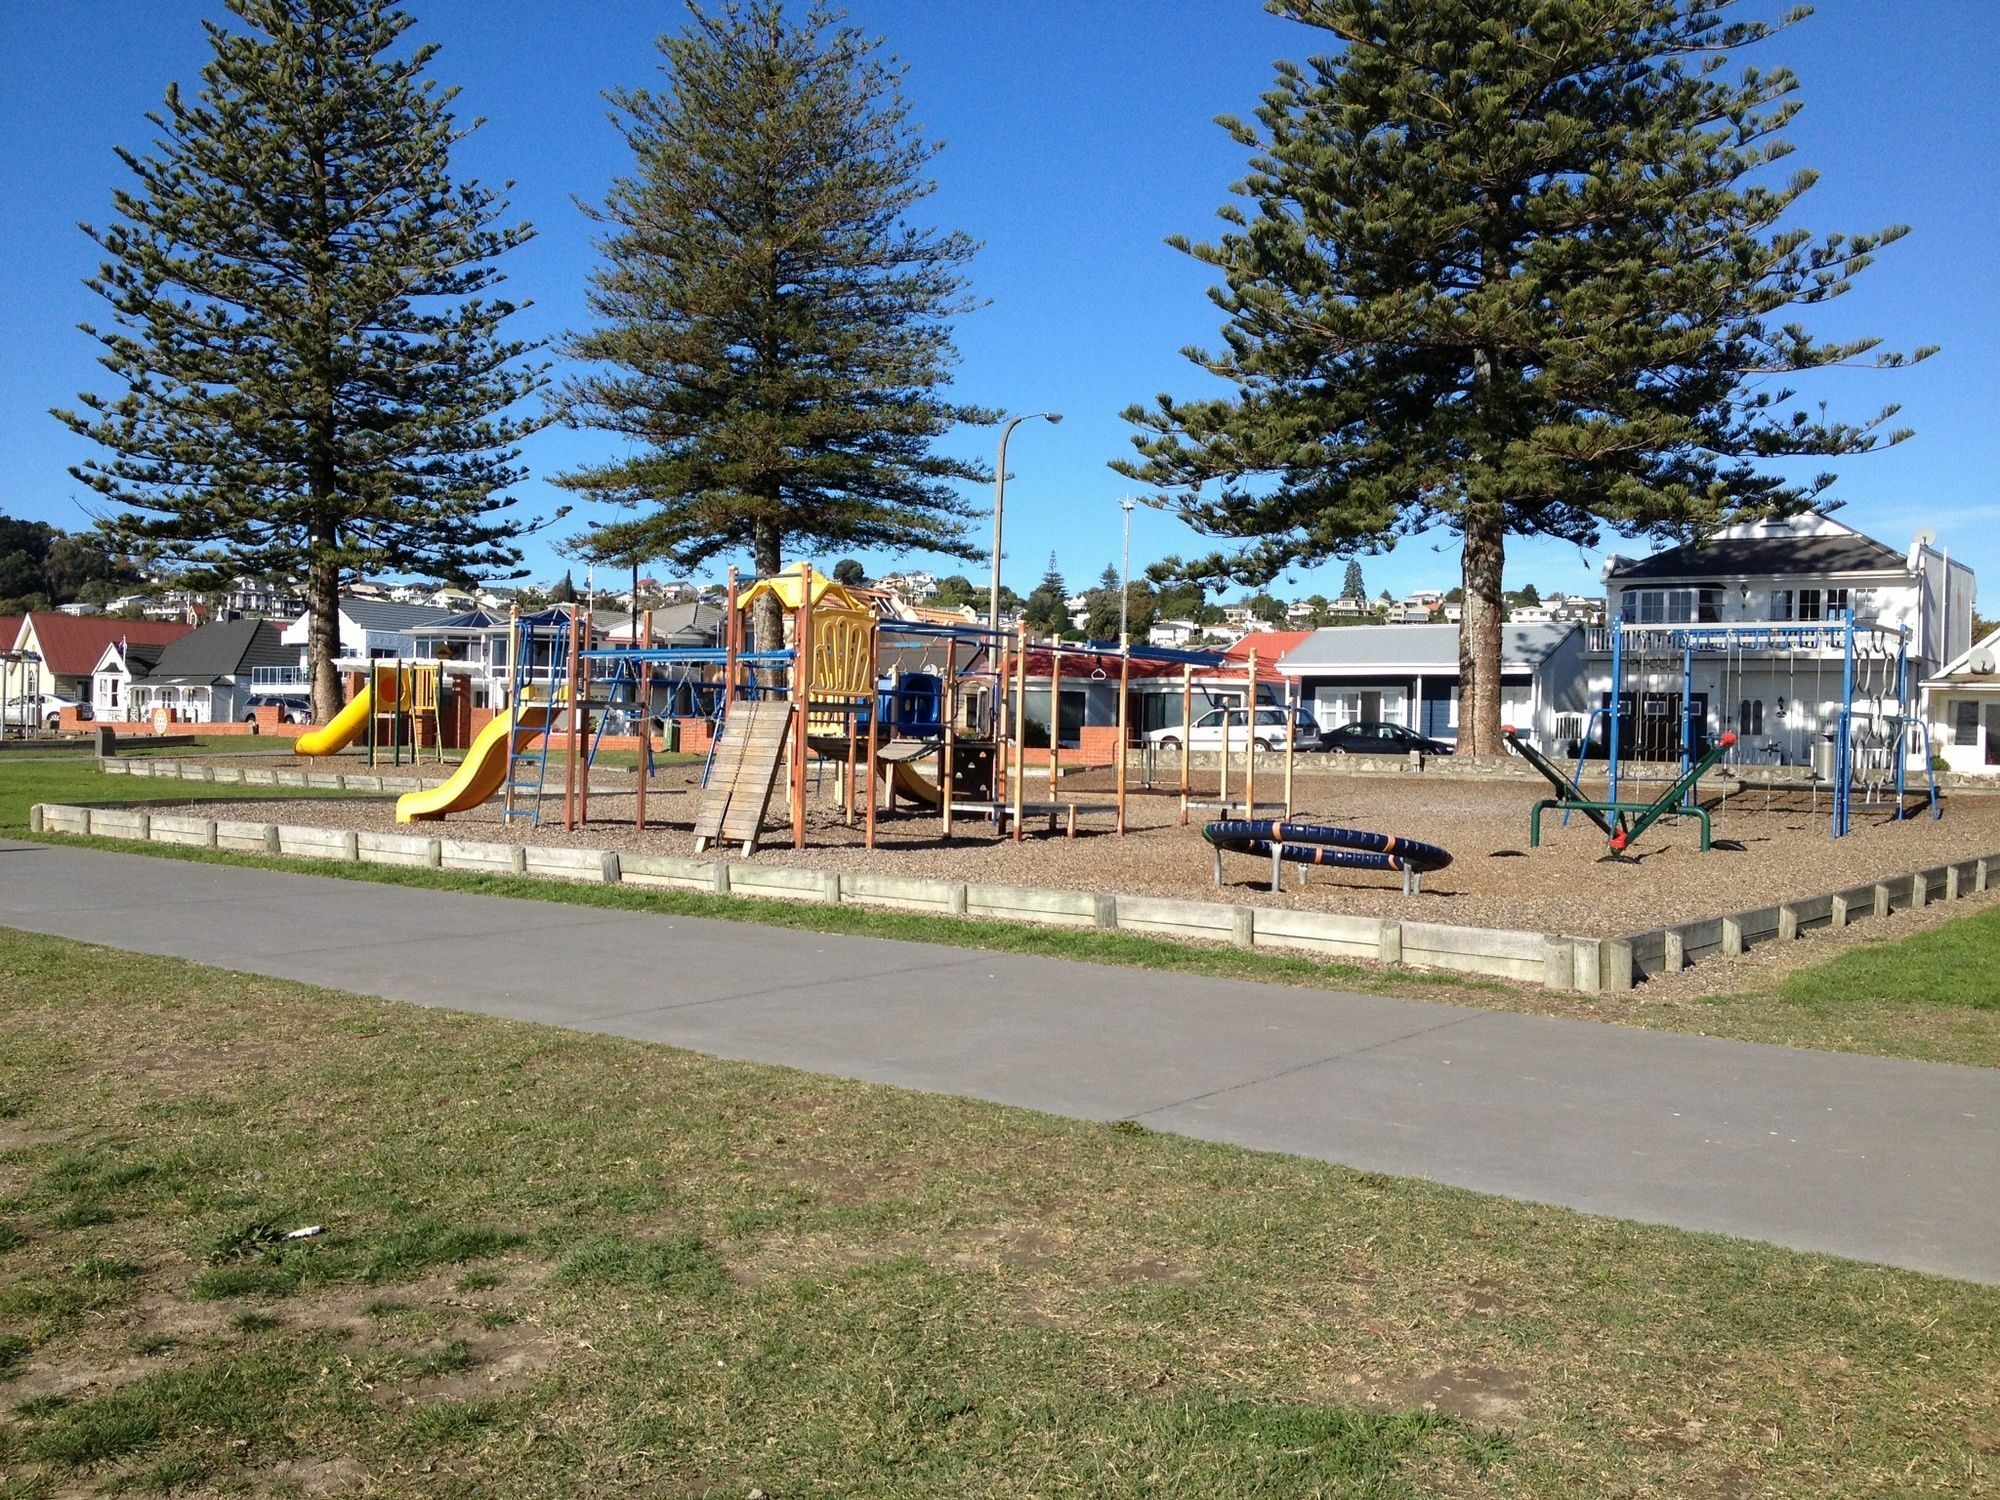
(348, 725)
(913, 784)
(479, 775)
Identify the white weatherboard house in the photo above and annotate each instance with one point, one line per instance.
(1408, 675)
(1777, 688)
(1962, 703)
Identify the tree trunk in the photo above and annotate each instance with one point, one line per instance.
(767, 552)
(323, 638)
(1481, 563)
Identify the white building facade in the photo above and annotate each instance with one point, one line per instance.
(1765, 607)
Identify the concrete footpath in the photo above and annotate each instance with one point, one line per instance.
(1866, 1157)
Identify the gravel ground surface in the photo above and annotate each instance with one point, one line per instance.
(1568, 885)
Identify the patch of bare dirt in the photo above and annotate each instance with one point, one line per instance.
(1146, 1269)
(1478, 1393)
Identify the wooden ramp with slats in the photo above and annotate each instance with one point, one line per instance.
(742, 775)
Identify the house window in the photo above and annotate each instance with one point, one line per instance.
(1749, 718)
(1807, 604)
(1965, 721)
(1701, 606)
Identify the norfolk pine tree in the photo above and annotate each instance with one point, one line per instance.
(772, 346)
(314, 382)
(1506, 267)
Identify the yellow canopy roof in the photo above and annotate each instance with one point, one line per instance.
(825, 592)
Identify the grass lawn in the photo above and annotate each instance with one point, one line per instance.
(1934, 995)
(553, 1264)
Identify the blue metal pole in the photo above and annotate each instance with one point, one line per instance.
(1902, 721)
(1617, 682)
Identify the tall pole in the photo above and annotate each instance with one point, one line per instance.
(1000, 506)
(1125, 580)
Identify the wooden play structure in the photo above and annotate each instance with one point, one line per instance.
(952, 741)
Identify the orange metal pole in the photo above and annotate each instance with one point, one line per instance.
(1124, 720)
(1020, 720)
(875, 731)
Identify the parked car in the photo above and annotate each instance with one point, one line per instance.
(1370, 738)
(1207, 731)
(26, 713)
(293, 710)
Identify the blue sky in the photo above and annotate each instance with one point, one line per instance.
(1078, 135)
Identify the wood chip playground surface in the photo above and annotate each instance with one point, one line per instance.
(1768, 849)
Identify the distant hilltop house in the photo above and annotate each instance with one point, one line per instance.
(916, 587)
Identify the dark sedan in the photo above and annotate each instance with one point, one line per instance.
(1380, 739)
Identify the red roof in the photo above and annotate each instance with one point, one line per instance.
(71, 644)
(10, 626)
(1269, 645)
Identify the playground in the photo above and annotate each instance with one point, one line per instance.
(945, 750)
(1495, 879)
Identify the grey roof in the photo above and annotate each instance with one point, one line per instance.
(385, 614)
(1730, 557)
(139, 660)
(1415, 648)
(228, 649)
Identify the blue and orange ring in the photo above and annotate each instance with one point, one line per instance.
(1323, 844)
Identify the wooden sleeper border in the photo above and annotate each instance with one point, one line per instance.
(1559, 961)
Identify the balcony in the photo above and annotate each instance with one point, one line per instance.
(1743, 637)
(277, 679)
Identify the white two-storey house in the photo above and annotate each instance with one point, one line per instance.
(1747, 632)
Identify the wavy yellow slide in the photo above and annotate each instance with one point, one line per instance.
(350, 723)
(479, 775)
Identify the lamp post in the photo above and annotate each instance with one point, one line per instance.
(1125, 577)
(1000, 505)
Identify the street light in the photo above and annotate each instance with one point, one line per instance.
(1000, 504)
(1125, 576)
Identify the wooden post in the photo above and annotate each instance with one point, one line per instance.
(731, 648)
(801, 702)
(1291, 734)
(644, 768)
(1187, 735)
(1055, 720)
(1250, 748)
(1124, 721)
(1020, 720)
(513, 708)
(948, 707)
(1222, 792)
(1003, 685)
